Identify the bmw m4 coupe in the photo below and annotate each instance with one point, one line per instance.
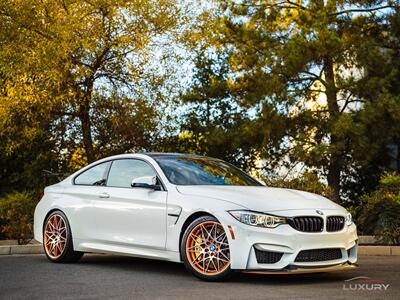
(201, 211)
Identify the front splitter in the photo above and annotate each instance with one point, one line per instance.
(304, 270)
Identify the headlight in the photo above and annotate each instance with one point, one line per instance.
(348, 219)
(257, 219)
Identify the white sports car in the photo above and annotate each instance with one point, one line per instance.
(201, 211)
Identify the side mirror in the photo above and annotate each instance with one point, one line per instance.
(147, 182)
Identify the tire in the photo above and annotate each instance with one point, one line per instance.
(205, 250)
(57, 239)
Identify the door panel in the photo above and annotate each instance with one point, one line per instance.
(78, 200)
(131, 216)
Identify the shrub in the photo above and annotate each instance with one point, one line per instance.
(380, 210)
(16, 216)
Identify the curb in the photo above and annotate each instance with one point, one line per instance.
(21, 249)
(379, 250)
(362, 250)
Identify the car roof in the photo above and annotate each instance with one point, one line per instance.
(172, 155)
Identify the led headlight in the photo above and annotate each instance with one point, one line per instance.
(348, 219)
(257, 219)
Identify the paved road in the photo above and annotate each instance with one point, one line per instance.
(116, 277)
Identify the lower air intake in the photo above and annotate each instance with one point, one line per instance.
(319, 255)
(267, 257)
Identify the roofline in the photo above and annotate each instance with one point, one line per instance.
(172, 154)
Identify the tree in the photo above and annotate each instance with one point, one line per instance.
(379, 212)
(57, 57)
(301, 62)
(214, 124)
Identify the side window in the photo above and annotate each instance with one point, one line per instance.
(123, 171)
(94, 176)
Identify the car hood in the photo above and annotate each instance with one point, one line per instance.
(261, 198)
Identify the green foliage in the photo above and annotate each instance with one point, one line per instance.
(379, 211)
(23, 169)
(308, 181)
(16, 216)
(320, 77)
(214, 124)
(57, 59)
(278, 82)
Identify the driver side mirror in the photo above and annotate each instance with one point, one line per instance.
(147, 182)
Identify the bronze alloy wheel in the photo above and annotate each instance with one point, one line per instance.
(207, 248)
(57, 239)
(55, 236)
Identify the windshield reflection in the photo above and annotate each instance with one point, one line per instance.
(203, 171)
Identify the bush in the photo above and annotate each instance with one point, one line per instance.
(16, 216)
(379, 212)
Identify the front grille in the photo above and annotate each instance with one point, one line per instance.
(334, 223)
(319, 255)
(307, 224)
(267, 257)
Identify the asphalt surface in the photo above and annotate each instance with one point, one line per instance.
(117, 277)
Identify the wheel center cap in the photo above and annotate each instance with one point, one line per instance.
(212, 248)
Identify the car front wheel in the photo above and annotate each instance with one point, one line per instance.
(205, 249)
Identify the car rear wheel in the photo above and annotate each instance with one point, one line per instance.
(205, 249)
(57, 239)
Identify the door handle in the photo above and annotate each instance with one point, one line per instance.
(104, 195)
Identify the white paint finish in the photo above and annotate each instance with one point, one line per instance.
(130, 216)
(136, 221)
(261, 198)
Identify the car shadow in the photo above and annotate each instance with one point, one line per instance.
(157, 267)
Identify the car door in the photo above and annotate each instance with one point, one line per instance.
(130, 216)
(79, 197)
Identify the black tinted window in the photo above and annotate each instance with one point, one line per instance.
(94, 176)
(202, 171)
(123, 171)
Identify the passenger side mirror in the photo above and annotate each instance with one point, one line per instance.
(147, 182)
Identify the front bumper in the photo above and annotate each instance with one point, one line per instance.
(289, 242)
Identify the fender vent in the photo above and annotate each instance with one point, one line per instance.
(319, 255)
(267, 257)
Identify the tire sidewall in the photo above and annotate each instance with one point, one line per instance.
(218, 277)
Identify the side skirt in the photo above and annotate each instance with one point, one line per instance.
(134, 251)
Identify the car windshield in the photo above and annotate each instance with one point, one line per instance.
(203, 171)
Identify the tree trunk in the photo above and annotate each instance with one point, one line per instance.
(334, 169)
(335, 164)
(84, 116)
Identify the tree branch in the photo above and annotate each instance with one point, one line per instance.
(361, 10)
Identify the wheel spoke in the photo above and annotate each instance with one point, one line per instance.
(224, 260)
(215, 267)
(60, 247)
(224, 255)
(203, 229)
(51, 225)
(208, 265)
